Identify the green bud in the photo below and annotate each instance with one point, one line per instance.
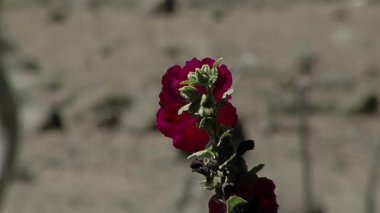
(205, 112)
(202, 77)
(205, 68)
(206, 101)
(233, 202)
(206, 109)
(213, 72)
(213, 76)
(194, 107)
(190, 93)
(192, 76)
(188, 82)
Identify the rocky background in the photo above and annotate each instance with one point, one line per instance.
(87, 77)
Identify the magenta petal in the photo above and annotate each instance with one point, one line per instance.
(191, 65)
(182, 129)
(190, 138)
(227, 115)
(171, 83)
(209, 61)
(165, 123)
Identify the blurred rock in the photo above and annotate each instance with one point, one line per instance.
(95, 4)
(344, 36)
(59, 11)
(366, 103)
(247, 62)
(30, 65)
(372, 72)
(53, 121)
(58, 16)
(218, 14)
(6, 45)
(23, 173)
(334, 80)
(166, 7)
(341, 14)
(142, 115)
(53, 85)
(307, 62)
(109, 110)
(173, 51)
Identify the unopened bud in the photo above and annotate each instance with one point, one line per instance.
(228, 190)
(206, 109)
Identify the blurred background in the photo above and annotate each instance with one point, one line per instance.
(86, 75)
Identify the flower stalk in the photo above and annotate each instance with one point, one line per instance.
(200, 119)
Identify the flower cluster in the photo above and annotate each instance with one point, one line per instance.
(196, 112)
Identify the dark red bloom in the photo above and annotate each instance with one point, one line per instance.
(261, 193)
(260, 196)
(216, 206)
(182, 128)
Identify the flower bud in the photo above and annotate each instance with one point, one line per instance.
(198, 166)
(190, 93)
(228, 189)
(206, 109)
(202, 77)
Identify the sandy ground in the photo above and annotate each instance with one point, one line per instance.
(124, 50)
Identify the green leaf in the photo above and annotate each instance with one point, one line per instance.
(203, 153)
(233, 202)
(206, 123)
(228, 93)
(225, 137)
(225, 98)
(192, 76)
(188, 89)
(188, 82)
(257, 168)
(213, 76)
(228, 161)
(217, 63)
(205, 68)
(202, 77)
(184, 108)
(190, 93)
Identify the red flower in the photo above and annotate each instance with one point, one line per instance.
(216, 206)
(182, 128)
(260, 196)
(261, 192)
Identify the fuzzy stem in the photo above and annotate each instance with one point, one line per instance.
(372, 183)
